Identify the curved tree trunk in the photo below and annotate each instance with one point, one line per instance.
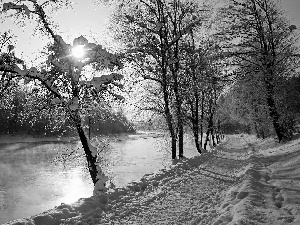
(92, 160)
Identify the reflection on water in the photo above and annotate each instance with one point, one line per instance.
(31, 183)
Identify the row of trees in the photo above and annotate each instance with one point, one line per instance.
(169, 45)
(199, 72)
(262, 46)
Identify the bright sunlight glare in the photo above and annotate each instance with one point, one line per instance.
(78, 51)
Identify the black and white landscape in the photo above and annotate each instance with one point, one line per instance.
(149, 112)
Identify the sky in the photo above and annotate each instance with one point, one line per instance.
(84, 18)
(292, 8)
(90, 20)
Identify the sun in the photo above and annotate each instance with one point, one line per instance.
(78, 51)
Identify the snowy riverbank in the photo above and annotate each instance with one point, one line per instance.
(244, 181)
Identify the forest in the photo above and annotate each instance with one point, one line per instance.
(199, 67)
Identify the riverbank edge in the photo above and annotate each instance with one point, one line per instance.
(149, 183)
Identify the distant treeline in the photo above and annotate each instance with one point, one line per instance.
(25, 112)
(244, 108)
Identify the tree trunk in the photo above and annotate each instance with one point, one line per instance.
(256, 130)
(202, 119)
(180, 123)
(173, 140)
(198, 147)
(218, 134)
(196, 123)
(178, 103)
(206, 138)
(213, 137)
(217, 137)
(180, 141)
(92, 161)
(195, 109)
(169, 121)
(273, 110)
(196, 136)
(263, 133)
(89, 118)
(209, 129)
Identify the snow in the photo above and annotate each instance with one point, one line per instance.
(268, 187)
(10, 5)
(80, 41)
(106, 79)
(7, 6)
(292, 27)
(60, 40)
(100, 187)
(244, 180)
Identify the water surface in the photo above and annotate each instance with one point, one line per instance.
(34, 178)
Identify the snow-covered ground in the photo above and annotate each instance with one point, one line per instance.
(244, 181)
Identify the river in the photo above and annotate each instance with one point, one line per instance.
(34, 177)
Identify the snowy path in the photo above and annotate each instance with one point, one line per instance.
(189, 196)
(268, 188)
(245, 181)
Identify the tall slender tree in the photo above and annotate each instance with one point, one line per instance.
(62, 75)
(152, 32)
(261, 39)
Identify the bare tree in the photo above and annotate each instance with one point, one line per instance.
(152, 32)
(7, 56)
(261, 39)
(62, 75)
